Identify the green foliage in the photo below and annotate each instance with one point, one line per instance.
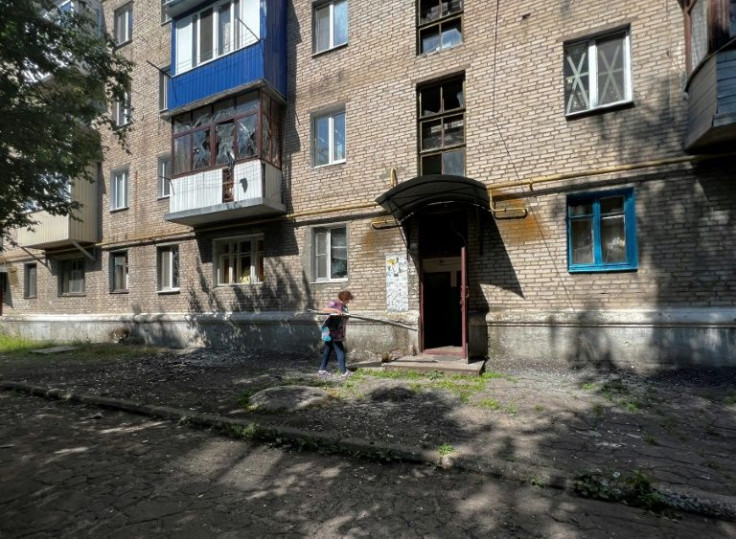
(445, 449)
(633, 489)
(730, 401)
(18, 345)
(493, 404)
(58, 75)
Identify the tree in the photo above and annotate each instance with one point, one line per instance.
(58, 72)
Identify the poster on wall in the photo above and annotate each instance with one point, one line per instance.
(397, 283)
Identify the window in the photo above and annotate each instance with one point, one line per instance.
(239, 261)
(30, 277)
(164, 176)
(330, 25)
(711, 25)
(330, 253)
(164, 14)
(119, 189)
(442, 128)
(164, 76)
(72, 276)
(439, 24)
(124, 24)
(329, 139)
(119, 272)
(597, 73)
(168, 268)
(122, 111)
(233, 129)
(602, 231)
(216, 31)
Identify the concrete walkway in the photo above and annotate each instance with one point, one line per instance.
(663, 441)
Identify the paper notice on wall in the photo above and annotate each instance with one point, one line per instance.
(397, 283)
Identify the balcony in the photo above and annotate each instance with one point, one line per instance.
(247, 53)
(53, 231)
(253, 190)
(711, 120)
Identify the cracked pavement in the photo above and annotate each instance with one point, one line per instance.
(77, 471)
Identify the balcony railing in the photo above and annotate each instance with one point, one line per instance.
(251, 189)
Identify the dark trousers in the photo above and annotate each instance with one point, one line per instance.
(339, 349)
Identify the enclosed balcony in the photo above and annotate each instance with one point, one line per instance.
(711, 120)
(54, 231)
(221, 48)
(227, 161)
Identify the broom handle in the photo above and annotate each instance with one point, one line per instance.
(359, 317)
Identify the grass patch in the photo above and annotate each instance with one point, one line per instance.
(730, 400)
(539, 408)
(598, 410)
(511, 409)
(445, 449)
(633, 489)
(491, 404)
(649, 439)
(589, 386)
(10, 344)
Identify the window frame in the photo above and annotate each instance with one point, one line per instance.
(257, 260)
(720, 28)
(630, 231)
(330, 116)
(330, 6)
(116, 176)
(328, 229)
(114, 288)
(122, 111)
(267, 111)
(164, 78)
(591, 89)
(165, 18)
(440, 22)
(27, 280)
(164, 176)
(66, 269)
(173, 270)
(442, 115)
(126, 11)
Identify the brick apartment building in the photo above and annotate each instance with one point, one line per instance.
(530, 181)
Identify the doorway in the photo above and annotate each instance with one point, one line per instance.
(442, 241)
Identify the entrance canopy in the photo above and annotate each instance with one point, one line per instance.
(410, 196)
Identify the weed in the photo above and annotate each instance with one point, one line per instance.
(649, 439)
(729, 401)
(598, 410)
(493, 404)
(634, 489)
(630, 406)
(511, 409)
(435, 375)
(251, 432)
(535, 482)
(445, 449)
(539, 408)
(393, 374)
(589, 386)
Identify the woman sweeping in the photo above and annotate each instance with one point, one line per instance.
(333, 332)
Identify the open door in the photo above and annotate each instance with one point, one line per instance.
(464, 298)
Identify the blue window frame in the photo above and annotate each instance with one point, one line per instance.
(601, 231)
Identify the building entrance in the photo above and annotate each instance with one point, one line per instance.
(442, 240)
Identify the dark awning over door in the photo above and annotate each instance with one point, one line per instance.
(410, 196)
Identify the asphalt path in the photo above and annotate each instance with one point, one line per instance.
(77, 471)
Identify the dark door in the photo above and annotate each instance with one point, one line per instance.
(442, 310)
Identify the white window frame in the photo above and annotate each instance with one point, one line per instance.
(256, 259)
(113, 256)
(164, 77)
(167, 273)
(164, 176)
(592, 54)
(330, 117)
(66, 273)
(188, 33)
(119, 183)
(124, 14)
(330, 6)
(327, 230)
(122, 111)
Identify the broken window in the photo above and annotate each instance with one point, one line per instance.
(439, 24)
(229, 131)
(442, 127)
(602, 231)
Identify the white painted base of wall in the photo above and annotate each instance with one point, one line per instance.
(633, 339)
